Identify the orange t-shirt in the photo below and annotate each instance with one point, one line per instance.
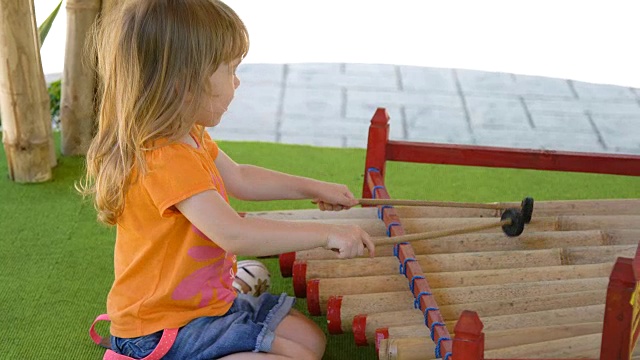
(167, 272)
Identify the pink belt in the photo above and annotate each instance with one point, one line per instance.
(166, 341)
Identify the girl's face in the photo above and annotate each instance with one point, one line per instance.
(223, 83)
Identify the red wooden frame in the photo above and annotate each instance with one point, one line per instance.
(622, 311)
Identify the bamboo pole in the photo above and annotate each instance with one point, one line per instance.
(319, 290)
(376, 227)
(542, 209)
(497, 307)
(348, 306)
(484, 242)
(365, 325)
(319, 269)
(46, 106)
(26, 120)
(508, 338)
(399, 347)
(570, 315)
(577, 347)
(77, 113)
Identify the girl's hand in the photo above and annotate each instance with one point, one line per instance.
(334, 197)
(349, 241)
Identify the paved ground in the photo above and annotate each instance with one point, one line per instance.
(331, 105)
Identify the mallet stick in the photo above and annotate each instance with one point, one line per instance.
(511, 223)
(402, 202)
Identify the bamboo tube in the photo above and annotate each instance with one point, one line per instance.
(319, 269)
(525, 305)
(420, 347)
(316, 214)
(508, 338)
(558, 223)
(485, 242)
(24, 106)
(459, 295)
(319, 290)
(406, 349)
(578, 346)
(77, 115)
(542, 209)
(342, 309)
(376, 227)
(46, 103)
(342, 312)
(364, 325)
(571, 315)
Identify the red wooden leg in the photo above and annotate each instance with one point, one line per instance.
(468, 342)
(376, 147)
(620, 317)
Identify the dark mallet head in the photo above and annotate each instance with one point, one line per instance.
(517, 222)
(527, 209)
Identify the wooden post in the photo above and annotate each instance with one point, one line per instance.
(26, 120)
(376, 147)
(468, 343)
(77, 113)
(621, 314)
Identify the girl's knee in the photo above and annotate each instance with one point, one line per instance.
(300, 329)
(292, 349)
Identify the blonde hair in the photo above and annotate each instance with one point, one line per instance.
(150, 55)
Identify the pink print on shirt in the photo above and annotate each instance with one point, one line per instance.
(212, 281)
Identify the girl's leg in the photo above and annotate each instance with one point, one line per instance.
(299, 329)
(281, 349)
(297, 337)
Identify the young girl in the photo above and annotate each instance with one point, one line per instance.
(167, 70)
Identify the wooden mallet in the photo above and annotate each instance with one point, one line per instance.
(512, 224)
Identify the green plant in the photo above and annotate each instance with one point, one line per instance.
(54, 90)
(44, 28)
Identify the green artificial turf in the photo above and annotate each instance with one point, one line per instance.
(56, 260)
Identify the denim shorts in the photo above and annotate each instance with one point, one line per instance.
(248, 326)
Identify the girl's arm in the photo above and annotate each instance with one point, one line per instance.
(248, 182)
(211, 214)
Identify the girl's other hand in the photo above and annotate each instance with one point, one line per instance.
(334, 197)
(349, 241)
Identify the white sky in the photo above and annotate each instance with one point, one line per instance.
(594, 41)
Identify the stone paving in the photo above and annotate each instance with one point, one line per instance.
(331, 104)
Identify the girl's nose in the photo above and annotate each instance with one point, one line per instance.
(236, 82)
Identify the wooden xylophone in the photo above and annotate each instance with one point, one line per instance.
(567, 287)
